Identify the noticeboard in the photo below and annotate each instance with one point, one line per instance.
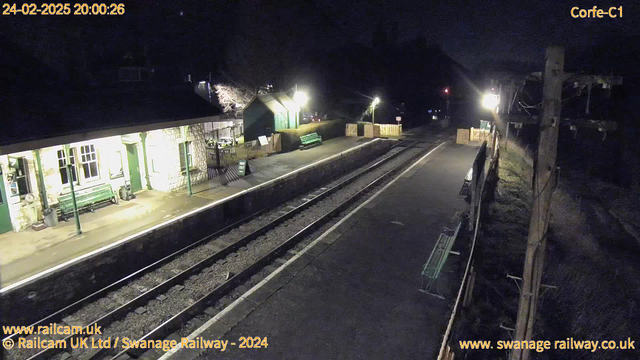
(243, 168)
(263, 140)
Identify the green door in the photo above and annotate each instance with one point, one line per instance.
(134, 167)
(5, 218)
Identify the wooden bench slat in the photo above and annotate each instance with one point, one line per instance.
(85, 197)
(310, 139)
(438, 257)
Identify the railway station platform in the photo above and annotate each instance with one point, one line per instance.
(353, 292)
(28, 253)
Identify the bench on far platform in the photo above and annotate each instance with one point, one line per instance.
(310, 140)
(86, 198)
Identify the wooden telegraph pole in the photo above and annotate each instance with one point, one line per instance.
(543, 182)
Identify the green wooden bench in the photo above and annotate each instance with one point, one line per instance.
(85, 199)
(433, 267)
(310, 140)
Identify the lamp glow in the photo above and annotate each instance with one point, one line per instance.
(301, 98)
(490, 101)
(376, 101)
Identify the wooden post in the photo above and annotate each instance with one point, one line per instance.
(469, 290)
(542, 189)
(474, 194)
(506, 141)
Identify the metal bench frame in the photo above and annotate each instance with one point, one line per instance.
(433, 267)
(65, 201)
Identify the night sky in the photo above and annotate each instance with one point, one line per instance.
(505, 30)
(469, 33)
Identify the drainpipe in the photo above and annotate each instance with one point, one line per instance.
(76, 215)
(43, 191)
(143, 137)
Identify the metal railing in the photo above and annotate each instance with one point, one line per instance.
(478, 200)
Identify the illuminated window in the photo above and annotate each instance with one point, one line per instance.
(183, 166)
(89, 160)
(62, 165)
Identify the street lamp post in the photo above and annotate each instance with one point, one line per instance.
(67, 151)
(301, 98)
(375, 102)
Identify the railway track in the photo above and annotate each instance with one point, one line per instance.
(168, 295)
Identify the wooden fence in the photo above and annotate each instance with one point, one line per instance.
(371, 131)
(377, 130)
(351, 130)
(390, 129)
(230, 155)
(462, 136)
(479, 135)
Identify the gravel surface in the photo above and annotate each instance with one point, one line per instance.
(155, 312)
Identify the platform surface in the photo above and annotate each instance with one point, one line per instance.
(354, 295)
(29, 252)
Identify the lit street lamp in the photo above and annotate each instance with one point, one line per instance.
(490, 101)
(375, 102)
(301, 98)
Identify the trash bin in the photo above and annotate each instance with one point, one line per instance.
(50, 217)
(125, 192)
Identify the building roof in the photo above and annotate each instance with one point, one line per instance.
(36, 117)
(278, 102)
(287, 102)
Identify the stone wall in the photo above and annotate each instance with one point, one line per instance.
(163, 149)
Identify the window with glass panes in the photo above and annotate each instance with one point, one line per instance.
(89, 159)
(62, 165)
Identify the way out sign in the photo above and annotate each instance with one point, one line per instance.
(243, 168)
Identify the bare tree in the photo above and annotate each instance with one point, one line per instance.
(233, 98)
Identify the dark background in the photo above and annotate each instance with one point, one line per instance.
(342, 52)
